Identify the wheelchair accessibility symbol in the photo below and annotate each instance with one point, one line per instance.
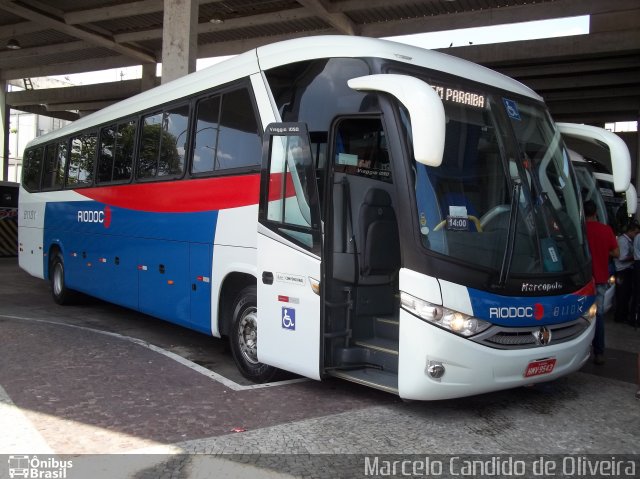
(512, 109)
(289, 318)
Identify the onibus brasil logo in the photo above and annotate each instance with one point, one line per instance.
(36, 468)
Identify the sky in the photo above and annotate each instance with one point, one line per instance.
(560, 27)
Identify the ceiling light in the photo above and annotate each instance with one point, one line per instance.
(13, 44)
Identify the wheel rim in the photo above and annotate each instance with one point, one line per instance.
(58, 279)
(248, 335)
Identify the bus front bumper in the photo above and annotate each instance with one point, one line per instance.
(471, 368)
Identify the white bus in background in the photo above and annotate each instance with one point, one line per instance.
(622, 207)
(614, 207)
(611, 208)
(596, 149)
(334, 206)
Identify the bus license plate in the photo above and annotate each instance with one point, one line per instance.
(537, 368)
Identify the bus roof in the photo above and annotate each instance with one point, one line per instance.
(300, 49)
(283, 53)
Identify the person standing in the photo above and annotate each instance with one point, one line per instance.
(624, 274)
(602, 245)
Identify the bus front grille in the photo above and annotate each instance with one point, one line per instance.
(501, 337)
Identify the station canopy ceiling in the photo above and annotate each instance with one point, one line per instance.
(589, 78)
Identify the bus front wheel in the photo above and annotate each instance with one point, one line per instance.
(61, 294)
(243, 338)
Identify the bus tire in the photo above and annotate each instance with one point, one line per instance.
(243, 338)
(61, 294)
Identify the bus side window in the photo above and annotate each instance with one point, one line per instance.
(105, 158)
(162, 149)
(174, 140)
(227, 135)
(125, 141)
(82, 159)
(55, 160)
(239, 143)
(206, 136)
(149, 146)
(115, 160)
(32, 169)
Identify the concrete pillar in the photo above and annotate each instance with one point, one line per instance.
(148, 76)
(4, 132)
(179, 38)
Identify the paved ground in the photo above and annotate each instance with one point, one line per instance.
(95, 379)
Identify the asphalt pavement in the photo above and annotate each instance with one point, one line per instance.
(162, 401)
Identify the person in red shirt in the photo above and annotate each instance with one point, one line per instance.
(602, 245)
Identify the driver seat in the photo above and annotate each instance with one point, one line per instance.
(379, 238)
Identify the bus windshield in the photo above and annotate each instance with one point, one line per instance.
(589, 190)
(504, 198)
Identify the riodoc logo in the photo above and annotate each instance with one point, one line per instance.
(95, 216)
(518, 312)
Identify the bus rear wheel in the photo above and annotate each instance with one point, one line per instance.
(61, 294)
(243, 338)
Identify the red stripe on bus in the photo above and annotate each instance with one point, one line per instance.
(588, 290)
(180, 196)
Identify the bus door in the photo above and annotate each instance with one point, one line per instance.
(289, 250)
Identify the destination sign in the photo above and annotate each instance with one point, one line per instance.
(455, 95)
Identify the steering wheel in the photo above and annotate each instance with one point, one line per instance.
(475, 220)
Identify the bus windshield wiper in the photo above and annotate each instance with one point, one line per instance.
(511, 234)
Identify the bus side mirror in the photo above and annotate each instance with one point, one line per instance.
(632, 200)
(618, 151)
(425, 110)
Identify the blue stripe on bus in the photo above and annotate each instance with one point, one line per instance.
(529, 311)
(157, 263)
(97, 218)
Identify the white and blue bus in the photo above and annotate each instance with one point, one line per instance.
(593, 151)
(334, 206)
(599, 187)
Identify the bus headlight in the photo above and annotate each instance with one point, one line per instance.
(454, 321)
(591, 314)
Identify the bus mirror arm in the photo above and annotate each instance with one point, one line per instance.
(632, 200)
(425, 110)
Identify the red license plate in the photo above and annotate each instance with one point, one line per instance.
(537, 368)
